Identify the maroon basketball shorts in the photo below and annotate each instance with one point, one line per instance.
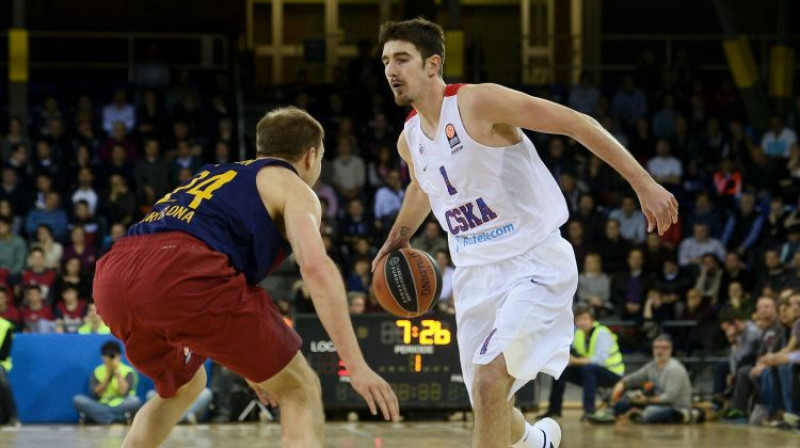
(174, 302)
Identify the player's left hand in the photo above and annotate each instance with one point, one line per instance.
(659, 207)
(263, 396)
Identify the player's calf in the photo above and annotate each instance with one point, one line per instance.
(299, 394)
(490, 395)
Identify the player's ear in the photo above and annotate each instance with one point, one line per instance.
(310, 156)
(434, 65)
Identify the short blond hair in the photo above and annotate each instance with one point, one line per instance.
(287, 133)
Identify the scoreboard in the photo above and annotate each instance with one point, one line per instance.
(418, 357)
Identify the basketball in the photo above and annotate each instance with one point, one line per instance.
(407, 282)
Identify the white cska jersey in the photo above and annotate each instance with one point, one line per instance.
(494, 203)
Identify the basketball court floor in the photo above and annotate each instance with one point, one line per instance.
(454, 434)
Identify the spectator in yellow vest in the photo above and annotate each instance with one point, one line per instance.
(113, 388)
(8, 408)
(93, 323)
(595, 361)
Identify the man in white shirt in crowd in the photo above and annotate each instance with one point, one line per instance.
(632, 223)
(665, 168)
(349, 172)
(119, 110)
(778, 139)
(388, 200)
(691, 250)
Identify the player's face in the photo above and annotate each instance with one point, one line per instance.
(404, 69)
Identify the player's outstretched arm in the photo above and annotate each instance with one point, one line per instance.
(302, 215)
(416, 206)
(498, 105)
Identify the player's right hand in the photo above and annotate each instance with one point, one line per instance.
(388, 246)
(376, 392)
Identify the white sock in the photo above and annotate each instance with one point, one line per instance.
(531, 438)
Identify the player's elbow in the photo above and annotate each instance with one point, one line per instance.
(577, 124)
(318, 269)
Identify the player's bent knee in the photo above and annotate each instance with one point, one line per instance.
(490, 385)
(494, 371)
(491, 380)
(297, 381)
(193, 388)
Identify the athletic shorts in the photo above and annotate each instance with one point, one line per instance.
(175, 302)
(520, 307)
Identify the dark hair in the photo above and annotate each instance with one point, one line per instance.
(729, 316)
(70, 258)
(287, 133)
(46, 227)
(583, 309)
(70, 287)
(426, 36)
(111, 349)
(664, 337)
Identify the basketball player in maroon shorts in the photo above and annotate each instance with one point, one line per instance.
(182, 287)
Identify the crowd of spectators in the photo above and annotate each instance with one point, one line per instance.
(79, 171)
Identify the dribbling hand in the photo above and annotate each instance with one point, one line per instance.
(388, 246)
(376, 392)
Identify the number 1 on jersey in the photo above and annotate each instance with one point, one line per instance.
(450, 188)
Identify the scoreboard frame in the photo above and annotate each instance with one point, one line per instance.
(417, 357)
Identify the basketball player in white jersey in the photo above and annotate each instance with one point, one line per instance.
(515, 276)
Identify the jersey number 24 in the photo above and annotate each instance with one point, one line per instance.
(201, 188)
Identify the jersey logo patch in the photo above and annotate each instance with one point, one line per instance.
(421, 149)
(452, 136)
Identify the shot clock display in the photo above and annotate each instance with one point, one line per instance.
(418, 357)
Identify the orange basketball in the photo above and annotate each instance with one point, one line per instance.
(407, 282)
